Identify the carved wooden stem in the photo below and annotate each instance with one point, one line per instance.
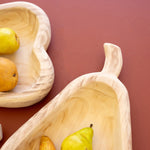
(113, 61)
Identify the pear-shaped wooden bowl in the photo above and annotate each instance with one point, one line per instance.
(97, 98)
(35, 69)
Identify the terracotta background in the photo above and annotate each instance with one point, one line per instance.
(79, 29)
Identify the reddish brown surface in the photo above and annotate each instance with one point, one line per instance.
(79, 29)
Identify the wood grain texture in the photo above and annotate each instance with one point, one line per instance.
(98, 98)
(1, 132)
(35, 69)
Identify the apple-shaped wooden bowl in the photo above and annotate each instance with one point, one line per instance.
(35, 69)
(96, 98)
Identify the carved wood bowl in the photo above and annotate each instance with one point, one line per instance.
(35, 69)
(96, 98)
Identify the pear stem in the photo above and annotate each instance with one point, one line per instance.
(91, 125)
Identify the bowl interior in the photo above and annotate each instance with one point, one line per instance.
(25, 24)
(94, 103)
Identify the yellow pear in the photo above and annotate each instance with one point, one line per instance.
(80, 140)
(9, 41)
(8, 74)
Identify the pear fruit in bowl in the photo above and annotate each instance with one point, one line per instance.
(8, 74)
(80, 140)
(46, 143)
(9, 41)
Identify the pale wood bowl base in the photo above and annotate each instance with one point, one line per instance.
(35, 69)
(95, 98)
(95, 104)
(25, 24)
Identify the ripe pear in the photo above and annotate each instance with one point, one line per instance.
(8, 74)
(9, 41)
(80, 140)
(46, 143)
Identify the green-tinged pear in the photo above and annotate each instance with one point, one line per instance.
(80, 140)
(9, 41)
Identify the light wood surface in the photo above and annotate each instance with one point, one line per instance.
(98, 98)
(35, 69)
(1, 132)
